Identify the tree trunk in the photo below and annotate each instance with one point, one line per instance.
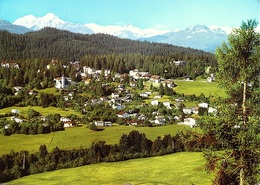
(244, 104)
(242, 177)
(242, 174)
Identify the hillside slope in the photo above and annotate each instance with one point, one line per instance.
(51, 43)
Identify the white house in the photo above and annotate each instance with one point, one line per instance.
(154, 102)
(211, 78)
(133, 72)
(144, 95)
(62, 82)
(180, 99)
(190, 122)
(167, 105)
(123, 114)
(155, 79)
(88, 70)
(68, 124)
(158, 96)
(103, 123)
(212, 110)
(115, 95)
(64, 119)
(187, 110)
(15, 111)
(204, 105)
(17, 120)
(159, 120)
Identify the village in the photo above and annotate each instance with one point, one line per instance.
(134, 99)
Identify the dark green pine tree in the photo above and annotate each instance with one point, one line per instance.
(236, 125)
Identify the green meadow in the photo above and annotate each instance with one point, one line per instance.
(183, 168)
(76, 137)
(198, 87)
(43, 111)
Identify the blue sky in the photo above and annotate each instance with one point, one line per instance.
(161, 14)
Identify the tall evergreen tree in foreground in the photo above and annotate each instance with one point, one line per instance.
(236, 125)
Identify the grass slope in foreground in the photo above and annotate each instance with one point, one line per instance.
(79, 137)
(175, 169)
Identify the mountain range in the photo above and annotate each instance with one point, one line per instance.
(201, 37)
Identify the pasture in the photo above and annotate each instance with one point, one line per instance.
(198, 87)
(76, 137)
(43, 111)
(177, 169)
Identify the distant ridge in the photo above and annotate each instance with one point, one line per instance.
(5, 25)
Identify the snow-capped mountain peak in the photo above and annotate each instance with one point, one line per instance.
(50, 20)
(198, 36)
(197, 28)
(50, 16)
(221, 29)
(127, 31)
(27, 21)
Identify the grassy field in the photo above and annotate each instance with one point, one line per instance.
(43, 111)
(184, 168)
(198, 87)
(51, 90)
(79, 136)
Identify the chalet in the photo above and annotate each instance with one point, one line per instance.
(43, 118)
(188, 78)
(211, 78)
(88, 70)
(155, 102)
(179, 63)
(115, 95)
(158, 96)
(122, 114)
(167, 105)
(212, 111)
(133, 84)
(62, 82)
(132, 122)
(117, 75)
(15, 111)
(127, 98)
(69, 124)
(187, 110)
(103, 98)
(159, 120)
(169, 83)
(190, 122)
(8, 65)
(107, 72)
(64, 119)
(195, 110)
(155, 79)
(144, 95)
(31, 92)
(204, 105)
(18, 88)
(181, 99)
(141, 117)
(103, 123)
(17, 120)
(118, 106)
(133, 72)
